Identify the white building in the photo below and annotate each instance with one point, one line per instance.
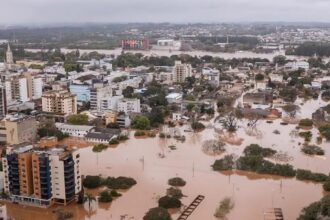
(129, 106)
(276, 77)
(293, 66)
(37, 84)
(212, 76)
(174, 98)
(74, 130)
(181, 72)
(97, 95)
(23, 90)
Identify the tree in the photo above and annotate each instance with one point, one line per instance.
(105, 196)
(79, 119)
(128, 92)
(157, 213)
(259, 77)
(325, 131)
(280, 60)
(176, 181)
(168, 202)
(226, 205)
(90, 198)
(291, 110)
(229, 122)
(141, 123)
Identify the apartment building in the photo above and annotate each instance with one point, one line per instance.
(20, 129)
(41, 176)
(181, 72)
(3, 102)
(129, 106)
(98, 94)
(59, 102)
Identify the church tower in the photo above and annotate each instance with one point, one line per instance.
(9, 56)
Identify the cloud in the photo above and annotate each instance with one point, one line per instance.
(79, 11)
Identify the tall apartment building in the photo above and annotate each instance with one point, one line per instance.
(20, 129)
(23, 87)
(3, 102)
(97, 95)
(129, 106)
(181, 72)
(40, 176)
(59, 102)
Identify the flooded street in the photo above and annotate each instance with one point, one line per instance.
(139, 158)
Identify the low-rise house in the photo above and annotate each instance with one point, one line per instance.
(74, 130)
(262, 98)
(174, 98)
(103, 136)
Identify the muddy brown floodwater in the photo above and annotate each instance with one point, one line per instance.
(139, 158)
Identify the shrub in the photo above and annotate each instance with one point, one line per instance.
(157, 213)
(174, 192)
(326, 185)
(226, 205)
(307, 135)
(123, 137)
(92, 182)
(79, 119)
(151, 134)
(325, 131)
(226, 163)
(105, 196)
(197, 126)
(308, 175)
(139, 133)
(168, 202)
(161, 135)
(312, 150)
(306, 122)
(120, 182)
(256, 150)
(114, 193)
(176, 181)
(100, 147)
(114, 141)
(317, 210)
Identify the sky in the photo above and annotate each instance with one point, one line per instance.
(176, 11)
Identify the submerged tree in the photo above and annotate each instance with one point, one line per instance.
(229, 122)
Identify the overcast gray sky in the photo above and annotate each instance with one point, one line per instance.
(77, 11)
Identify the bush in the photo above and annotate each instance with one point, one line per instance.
(174, 192)
(123, 137)
(312, 150)
(226, 205)
(114, 141)
(139, 133)
(307, 135)
(308, 175)
(100, 147)
(306, 122)
(256, 150)
(162, 135)
(151, 134)
(227, 163)
(92, 182)
(176, 181)
(197, 126)
(168, 202)
(326, 185)
(157, 213)
(317, 210)
(114, 193)
(105, 196)
(325, 131)
(120, 182)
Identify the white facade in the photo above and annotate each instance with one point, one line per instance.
(297, 65)
(129, 106)
(99, 94)
(174, 98)
(74, 130)
(23, 90)
(37, 84)
(212, 75)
